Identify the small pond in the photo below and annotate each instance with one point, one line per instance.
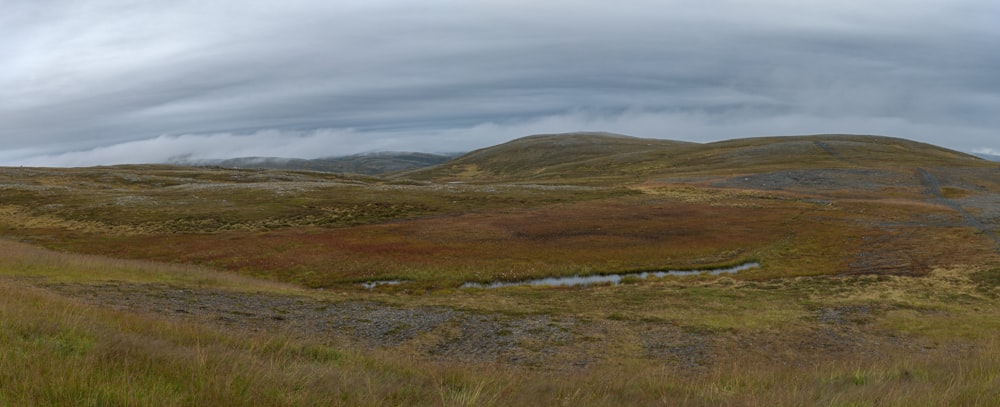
(609, 278)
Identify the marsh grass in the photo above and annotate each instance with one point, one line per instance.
(55, 350)
(26, 261)
(594, 237)
(322, 230)
(874, 298)
(132, 201)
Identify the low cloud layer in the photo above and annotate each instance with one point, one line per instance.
(698, 127)
(93, 82)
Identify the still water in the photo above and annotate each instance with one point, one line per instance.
(609, 278)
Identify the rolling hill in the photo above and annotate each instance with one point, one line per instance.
(600, 157)
(543, 156)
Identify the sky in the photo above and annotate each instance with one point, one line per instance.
(100, 82)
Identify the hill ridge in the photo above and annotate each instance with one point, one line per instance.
(594, 157)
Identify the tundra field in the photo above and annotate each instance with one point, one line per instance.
(878, 279)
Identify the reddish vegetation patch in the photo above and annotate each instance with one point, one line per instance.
(789, 235)
(506, 244)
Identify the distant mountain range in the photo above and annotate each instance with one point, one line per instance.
(367, 164)
(988, 156)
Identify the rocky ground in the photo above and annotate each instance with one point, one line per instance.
(447, 334)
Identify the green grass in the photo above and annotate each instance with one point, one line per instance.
(55, 350)
(137, 201)
(988, 281)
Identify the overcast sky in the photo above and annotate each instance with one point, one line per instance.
(89, 82)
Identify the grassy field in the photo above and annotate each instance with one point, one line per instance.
(867, 340)
(153, 285)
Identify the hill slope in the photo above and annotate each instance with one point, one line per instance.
(596, 157)
(543, 156)
(827, 151)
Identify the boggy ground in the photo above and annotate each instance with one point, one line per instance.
(874, 285)
(904, 224)
(111, 331)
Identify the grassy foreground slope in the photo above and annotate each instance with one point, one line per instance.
(850, 340)
(158, 285)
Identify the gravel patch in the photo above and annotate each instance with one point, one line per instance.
(822, 181)
(688, 350)
(854, 314)
(446, 334)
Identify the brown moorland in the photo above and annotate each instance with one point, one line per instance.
(877, 281)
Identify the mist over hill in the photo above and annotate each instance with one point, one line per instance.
(597, 156)
(366, 164)
(990, 157)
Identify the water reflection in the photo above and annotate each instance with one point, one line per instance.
(609, 278)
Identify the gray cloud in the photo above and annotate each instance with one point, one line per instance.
(100, 82)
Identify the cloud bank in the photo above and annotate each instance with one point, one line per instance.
(698, 127)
